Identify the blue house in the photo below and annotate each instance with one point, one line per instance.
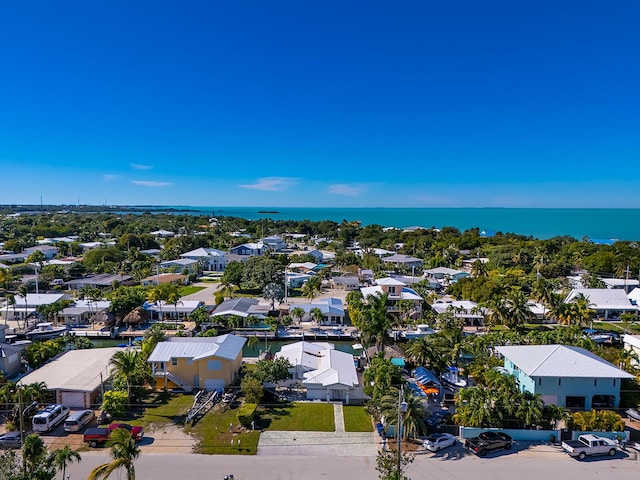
(570, 377)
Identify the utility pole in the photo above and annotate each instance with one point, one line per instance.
(402, 408)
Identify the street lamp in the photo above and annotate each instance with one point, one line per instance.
(402, 408)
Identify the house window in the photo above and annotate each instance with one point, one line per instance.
(595, 382)
(539, 380)
(614, 382)
(174, 361)
(559, 381)
(214, 365)
(392, 290)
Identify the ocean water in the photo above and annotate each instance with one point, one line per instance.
(542, 223)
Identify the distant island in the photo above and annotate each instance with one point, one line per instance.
(268, 211)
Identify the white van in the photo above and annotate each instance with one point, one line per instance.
(76, 421)
(49, 417)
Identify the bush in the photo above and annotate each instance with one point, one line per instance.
(246, 413)
(114, 402)
(252, 389)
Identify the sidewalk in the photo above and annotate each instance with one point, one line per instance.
(338, 443)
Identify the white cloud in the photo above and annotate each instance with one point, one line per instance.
(345, 189)
(139, 166)
(271, 184)
(109, 178)
(149, 183)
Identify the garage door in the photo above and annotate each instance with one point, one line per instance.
(72, 399)
(213, 384)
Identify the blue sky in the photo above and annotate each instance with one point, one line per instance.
(410, 104)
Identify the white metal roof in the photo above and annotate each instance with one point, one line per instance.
(603, 298)
(326, 365)
(560, 361)
(74, 370)
(223, 346)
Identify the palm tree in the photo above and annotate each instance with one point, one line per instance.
(173, 298)
(11, 302)
(226, 288)
(312, 288)
(317, 315)
(124, 452)
(412, 419)
(374, 321)
(252, 342)
(530, 409)
(478, 269)
(126, 363)
(64, 456)
(23, 291)
(297, 313)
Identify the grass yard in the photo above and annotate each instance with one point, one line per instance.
(309, 417)
(189, 289)
(166, 408)
(356, 419)
(215, 437)
(618, 327)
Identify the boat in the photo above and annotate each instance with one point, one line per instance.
(451, 378)
(597, 337)
(633, 414)
(45, 331)
(418, 332)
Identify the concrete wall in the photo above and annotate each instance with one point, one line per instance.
(611, 435)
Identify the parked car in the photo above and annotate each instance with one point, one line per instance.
(587, 445)
(488, 441)
(137, 432)
(78, 420)
(438, 441)
(10, 440)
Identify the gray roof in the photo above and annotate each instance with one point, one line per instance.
(242, 306)
(75, 370)
(560, 361)
(223, 346)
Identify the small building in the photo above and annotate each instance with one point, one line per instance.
(569, 377)
(249, 249)
(626, 284)
(608, 303)
(400, 260)
(274, 243)
(296, 280)
(446, 275)
(241, 307)
(163, 233)
(101, 281)
(82, 311)
(331, 308)
(345, 283)
(25, 306)
(47, 250)
(395, 291)
(76, 377)
(328, 374)
(164, 278)
(180, 265)
(10, 355)
(164, 311)
(211, 363)
(467, 310)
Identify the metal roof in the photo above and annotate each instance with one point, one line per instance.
(75, 370)
(560, 361)
(223, 346)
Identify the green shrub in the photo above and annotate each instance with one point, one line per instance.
(246, 413)
(114, 402)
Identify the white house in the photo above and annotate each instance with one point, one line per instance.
(626, 284)
(396, 291)
(331, 308)
(632, 344)
(163, 234)
(25, 306)
(328, 374)
(161, 310)
(609, 303)
(274, 243)
(48, 251)
(400, 260)
(465, 309)
(213, 259)
(450, 275)
(180, 264)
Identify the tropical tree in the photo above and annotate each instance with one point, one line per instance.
(273, 292)
(412, 418)
(530, 409)
(23, 291)
(124, 452)
(174, 298)
(127, 363)
(312, 288)
(374, 321)
(423, 351)
(252, 342)
(298, 314)
(37, 464)
(63, 457)
(317, 315)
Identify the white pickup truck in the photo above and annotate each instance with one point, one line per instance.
(590, 445)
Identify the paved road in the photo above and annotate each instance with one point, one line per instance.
(428, 466)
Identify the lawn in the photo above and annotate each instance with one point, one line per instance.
(188, 290)
(356, 419)
(297, 416)
(215, 437)
(166, 408)
(617, 327)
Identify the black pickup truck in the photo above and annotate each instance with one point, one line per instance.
(488, 441)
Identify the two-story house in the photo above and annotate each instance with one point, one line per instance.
(214, 260)
(396, 291)
(211, 363)
(249, 249)
(570, 377)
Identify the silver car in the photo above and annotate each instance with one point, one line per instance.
(10, 440)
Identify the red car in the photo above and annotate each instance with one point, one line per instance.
(136, 432)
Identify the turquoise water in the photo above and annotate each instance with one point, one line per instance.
(542, 223)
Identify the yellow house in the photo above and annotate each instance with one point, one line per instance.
(211, 363)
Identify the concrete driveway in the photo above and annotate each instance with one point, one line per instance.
(206, 295)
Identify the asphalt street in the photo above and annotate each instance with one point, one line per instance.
(443, 466)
